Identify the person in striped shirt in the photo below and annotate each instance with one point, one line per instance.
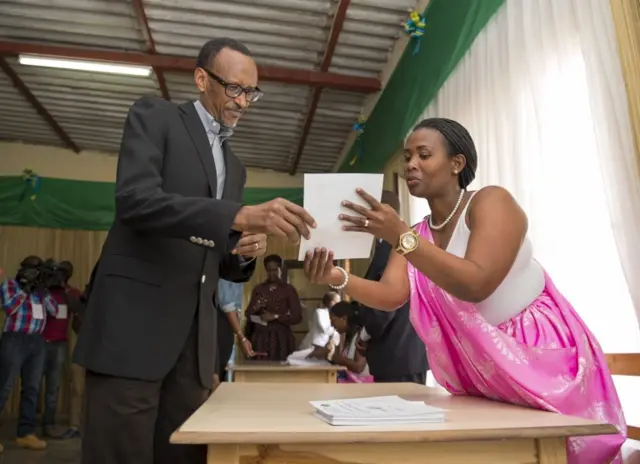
(26, 304)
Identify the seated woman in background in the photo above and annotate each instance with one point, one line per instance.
(321, 332)
(493, 322)
(274, 307)
(345, 319)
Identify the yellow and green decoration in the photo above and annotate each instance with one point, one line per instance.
(414, 26)
(358, 127)
(32, 183)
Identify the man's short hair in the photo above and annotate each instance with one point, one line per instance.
(210, 50)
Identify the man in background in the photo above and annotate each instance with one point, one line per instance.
(26, 304)
(230, 303)
(56, 340)
(394, 351)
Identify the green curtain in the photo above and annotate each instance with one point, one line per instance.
(451, 28)
(82, 205)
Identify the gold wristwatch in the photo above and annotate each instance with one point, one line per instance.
(408, 242)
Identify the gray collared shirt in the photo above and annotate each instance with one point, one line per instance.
(216, 135)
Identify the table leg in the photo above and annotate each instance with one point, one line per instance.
(223, 454)
(552, 450)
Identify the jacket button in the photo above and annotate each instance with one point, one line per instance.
(192, 239)
(204, 277)
(199, 241)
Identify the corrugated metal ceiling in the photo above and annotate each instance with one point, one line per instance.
(91, 107)
(19, 120)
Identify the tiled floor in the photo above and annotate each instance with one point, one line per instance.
(57, 452)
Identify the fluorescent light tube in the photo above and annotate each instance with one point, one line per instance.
(95, 66)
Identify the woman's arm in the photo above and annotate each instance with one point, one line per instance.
(498, 226)
(355, 365)
(390, 293)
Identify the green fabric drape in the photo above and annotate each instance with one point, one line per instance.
(451, 28)
(82, 205)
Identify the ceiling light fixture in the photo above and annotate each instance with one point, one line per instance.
(79, 65)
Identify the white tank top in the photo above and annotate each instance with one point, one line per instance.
(522, 285)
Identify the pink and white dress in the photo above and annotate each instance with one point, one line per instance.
(536, 353)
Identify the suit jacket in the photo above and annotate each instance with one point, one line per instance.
(169, 244)
(394, 349)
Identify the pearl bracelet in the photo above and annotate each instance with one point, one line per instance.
(343, 284)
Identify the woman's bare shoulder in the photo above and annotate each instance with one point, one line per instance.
(492, 201)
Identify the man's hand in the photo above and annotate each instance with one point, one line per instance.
(277, 217)
(267, 316)
(251, 245)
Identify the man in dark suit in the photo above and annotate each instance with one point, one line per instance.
(394, 353)
(148, 335)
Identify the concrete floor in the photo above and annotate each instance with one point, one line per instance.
(57, 452)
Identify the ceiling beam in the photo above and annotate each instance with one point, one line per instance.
(311, 78)
(42, 111)
(143, 22)
(336, 28)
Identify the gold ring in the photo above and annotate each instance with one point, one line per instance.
(366, 223)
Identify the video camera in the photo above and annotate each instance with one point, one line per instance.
(51, 274)
(35, 273)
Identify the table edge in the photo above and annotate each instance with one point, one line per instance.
(392, 436)
(284, 368)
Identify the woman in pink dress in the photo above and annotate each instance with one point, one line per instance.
(492, 320)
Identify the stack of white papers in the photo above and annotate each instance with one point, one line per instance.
(379, 410)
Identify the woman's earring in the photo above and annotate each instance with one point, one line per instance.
(455, 172)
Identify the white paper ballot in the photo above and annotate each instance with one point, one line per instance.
(323, 197)
(257, 320)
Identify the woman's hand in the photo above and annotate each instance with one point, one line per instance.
(247, 348)
(380, 220)
(319, 268)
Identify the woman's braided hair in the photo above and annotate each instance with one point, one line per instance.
(459, 142)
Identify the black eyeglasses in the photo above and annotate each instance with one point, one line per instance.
(235, 90)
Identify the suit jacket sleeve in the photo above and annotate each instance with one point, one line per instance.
(141, 202)
(235, 268)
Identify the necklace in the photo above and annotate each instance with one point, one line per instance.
(453, 212)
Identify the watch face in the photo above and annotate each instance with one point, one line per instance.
(409, 241)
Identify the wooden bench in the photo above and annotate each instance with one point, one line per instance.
(626, 364)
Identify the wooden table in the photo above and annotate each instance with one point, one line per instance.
(270, 372)
(273, 424)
